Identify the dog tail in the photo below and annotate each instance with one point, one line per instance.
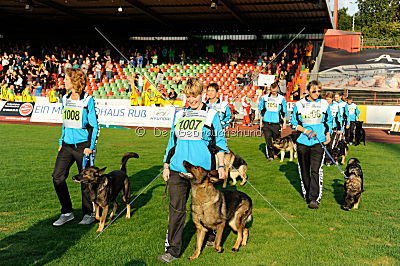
(125, 158)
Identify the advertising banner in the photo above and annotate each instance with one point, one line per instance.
(16, 111)
(144, 116)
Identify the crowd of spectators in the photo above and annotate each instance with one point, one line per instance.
(39, 68)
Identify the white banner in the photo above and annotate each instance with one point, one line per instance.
(2, 104)
(265, 80)
(143, 116)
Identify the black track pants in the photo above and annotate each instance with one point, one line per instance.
(179, 189)
(271, 132)
(65, 159)
(310, 161)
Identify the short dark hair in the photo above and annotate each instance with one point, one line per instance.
(274, 85)
(349, 98)
(214, 86)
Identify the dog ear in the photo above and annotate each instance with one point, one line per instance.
(213, 173)
(101, 171)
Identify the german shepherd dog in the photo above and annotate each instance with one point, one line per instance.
(339, 153)
(359, 134)
(235, 166)
(214, 209)
(353, 185)
(287, 143)
(103, 189)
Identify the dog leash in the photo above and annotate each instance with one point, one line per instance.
(265, 199)
(330, 157)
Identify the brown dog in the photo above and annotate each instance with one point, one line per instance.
(103, 189)
(213, 209)
(235, 166)
(353, 185)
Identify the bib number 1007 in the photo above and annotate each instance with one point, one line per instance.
(190, 124)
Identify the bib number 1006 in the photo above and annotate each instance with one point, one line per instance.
(72, 114)
(192, 124)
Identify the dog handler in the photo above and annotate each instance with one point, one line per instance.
(196, 135)
(78, 138)
(272, 107)
(221, 107)
(312, 117)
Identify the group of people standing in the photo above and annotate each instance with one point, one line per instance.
(197, 136)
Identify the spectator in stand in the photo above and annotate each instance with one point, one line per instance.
(308, 54)
(282, 84)
(140, 83)
(154, 58)
(164, 54)
(139, 61)
(172, 95)
(109, 70)
(246, 104)
(182, 56)
(292, 71)
(97, 70)
(171, 55)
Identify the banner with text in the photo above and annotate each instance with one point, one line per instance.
(144, 116)
(16, 111)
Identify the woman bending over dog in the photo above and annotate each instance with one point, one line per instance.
(196, 135)
(78, 138)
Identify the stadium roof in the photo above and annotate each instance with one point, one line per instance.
(269, 16)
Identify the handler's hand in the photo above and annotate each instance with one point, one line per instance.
(221, 173)
(165, 174)
(328, 139)
(59, 147)
(87, 151)
(340, 132)
(347, 127)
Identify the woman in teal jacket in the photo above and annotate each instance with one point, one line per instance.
(196, 136)
(78, 138)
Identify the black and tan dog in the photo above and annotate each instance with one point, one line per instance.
(287, 144)
(339, 153)
(103, 189)
(235, 166)
(353, 185)
(214, 209)
(359, 133)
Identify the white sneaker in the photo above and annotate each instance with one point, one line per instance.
(65, 217)
(87, 219)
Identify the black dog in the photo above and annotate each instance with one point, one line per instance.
(103, 189)
(359, 133)
(353, 185)
(339, 153)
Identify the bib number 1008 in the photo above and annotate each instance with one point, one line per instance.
(189, 124)
(72, 114)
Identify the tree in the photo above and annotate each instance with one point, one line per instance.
(345, 20)
(374, 11)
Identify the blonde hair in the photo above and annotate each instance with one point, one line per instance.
(78, 79)
(329, 94)
(193, 87)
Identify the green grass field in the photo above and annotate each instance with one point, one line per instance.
(28, 206)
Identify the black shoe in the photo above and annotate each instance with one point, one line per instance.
(313, 205)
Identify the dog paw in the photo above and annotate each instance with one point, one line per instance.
(281, 161)
(192, 258)
(99, 230)
(127, 217)
(219, 249)
(235, 250)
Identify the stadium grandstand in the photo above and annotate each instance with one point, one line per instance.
(160, 44)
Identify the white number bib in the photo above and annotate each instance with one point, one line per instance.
(334, 110)
(190, 125)
(72, 114)
(352, 110)
(272, 104)
(312, 113)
